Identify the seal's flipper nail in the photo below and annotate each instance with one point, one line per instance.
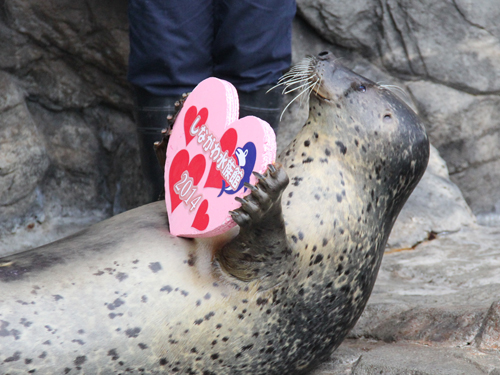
(258, 175)
(250, 186)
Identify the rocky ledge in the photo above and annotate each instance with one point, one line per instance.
(435, 310)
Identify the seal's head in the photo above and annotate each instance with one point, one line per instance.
(373, 135)
(389, 137)
(362, 110)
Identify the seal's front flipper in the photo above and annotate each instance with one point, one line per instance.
(262, 207)
(261, 247)
(161, 147)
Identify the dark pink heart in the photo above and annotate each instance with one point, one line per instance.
(180, 165)
(193, 117)
(227, 143)
(201, 219)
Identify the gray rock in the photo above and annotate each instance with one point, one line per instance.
(17, 51)
(436, 206)
(418, 38)
(23, 158)
(368, 357)
(434, 309)
(57, 86)
(466, 130)
(119, 146)
(353, 25)
(490, 219)
(10, 95)
(441, 291)
(69, 154)
(68, 55)
(413, 360)
(489, 335)
(74, 181)
(93, 31)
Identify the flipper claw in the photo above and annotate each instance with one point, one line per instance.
(262, 237)
(161, 147)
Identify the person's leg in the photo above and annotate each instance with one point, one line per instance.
(252, 48)
(262, 104)
(150, 114)
(170, 44)
(170, 53)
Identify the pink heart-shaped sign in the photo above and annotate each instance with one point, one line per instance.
(210, 155)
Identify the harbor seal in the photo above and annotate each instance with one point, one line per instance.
(275, 296)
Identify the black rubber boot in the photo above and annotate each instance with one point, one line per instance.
(262, 104)
(151, 118)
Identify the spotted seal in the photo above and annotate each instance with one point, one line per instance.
(276, 296)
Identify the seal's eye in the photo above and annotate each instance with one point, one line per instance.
(387, 117)
(361, 88)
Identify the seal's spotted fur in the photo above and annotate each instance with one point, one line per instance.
(126, 297)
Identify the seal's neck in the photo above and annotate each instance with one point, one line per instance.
(335, 209)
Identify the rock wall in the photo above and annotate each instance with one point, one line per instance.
(447, 54)
(68, 148)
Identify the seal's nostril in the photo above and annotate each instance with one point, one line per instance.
(323, 54)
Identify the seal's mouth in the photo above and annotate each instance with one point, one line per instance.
(302, 79)
(317, 92)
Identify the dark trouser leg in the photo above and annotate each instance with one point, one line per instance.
(170, 53)
(262, 104)
(151, 117)
(170, 44)
(252, 48)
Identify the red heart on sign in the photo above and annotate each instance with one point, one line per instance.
(191, 115)
(227, 143)
(181, 163)
(201, 219)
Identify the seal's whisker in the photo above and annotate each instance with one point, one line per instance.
(303, 68)
(289, 75)
(399, 91)
(294, 81)
(290, 82)
(393, 87)
(300, 78)
(288, 89)
(294, 77)
(313, 87)
(299, 67)
(299, 73)
(302, 73)
(307, 89)
(286, 82)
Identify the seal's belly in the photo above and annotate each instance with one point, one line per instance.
(101, 303)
